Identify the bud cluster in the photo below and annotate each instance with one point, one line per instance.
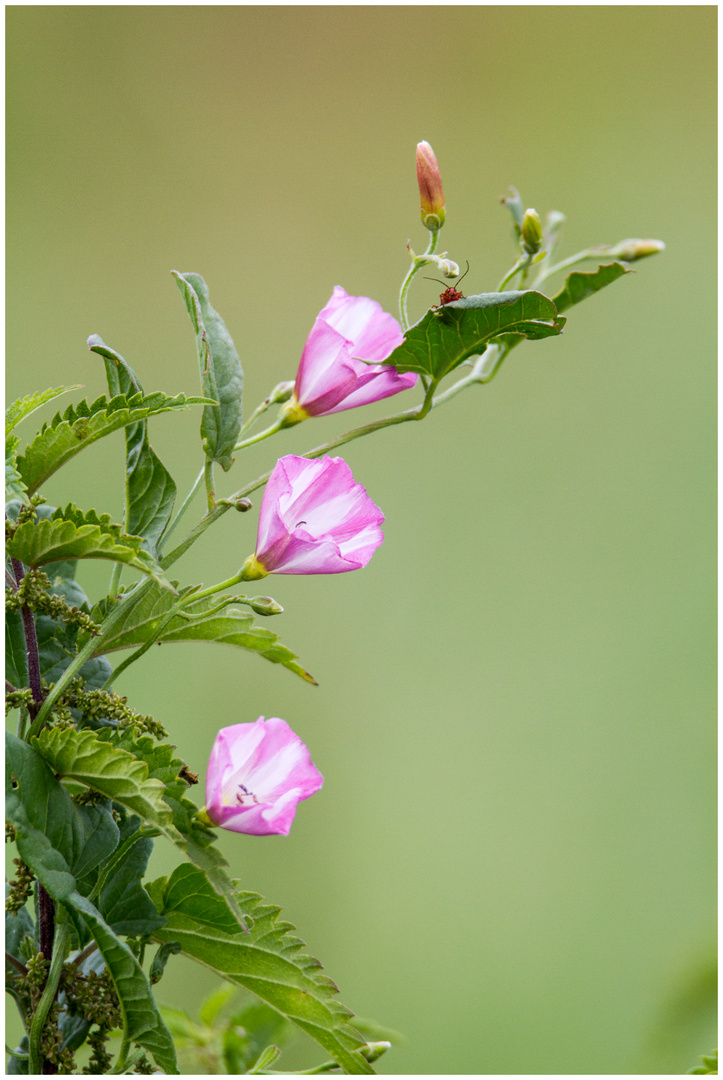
(21, 887)
(33, 593)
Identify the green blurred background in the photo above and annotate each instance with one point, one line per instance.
(512, 859)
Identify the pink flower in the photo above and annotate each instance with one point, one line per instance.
(257, 774)
(314, 519)
(331, 375)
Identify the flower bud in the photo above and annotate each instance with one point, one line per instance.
(265, 605)
(531, 232)
(630, 250)
(430, 188)
(374, 1050)
(281, 392)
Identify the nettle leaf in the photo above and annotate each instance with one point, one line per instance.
(267, 961)
(142, 1021)
(25, 406)
(446, 336)
(232, 626)
(71, 534)
(581, 284)
(16, 657)
(83, 424)
(123, 902)
(220, 367)
(14, 486)
(150, 488)
(122, 773)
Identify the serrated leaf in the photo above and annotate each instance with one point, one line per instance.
(14, 486)
(229, 627)
(71, 534)
(58, 840)
(446, 336)
(83, 424)
(220, 368)
(141, 1019)
(150, 488)
(26, 405)
(123, 902)
(84, 756)
(581, 284)
(267, 961)
(126, 777)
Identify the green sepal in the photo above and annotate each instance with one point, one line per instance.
(150, 488)
(267, 961)
(220, 369)
(26, 405)
(581, 284)
(232, 626)
(83, 424)
(446, 336)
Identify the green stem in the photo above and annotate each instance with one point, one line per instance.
(115, 579)
(278, 425)
(210, 485)
(523, 265)
(163, 623)
(572, 260)
(185, 505)
(414, 269)
(48, 995)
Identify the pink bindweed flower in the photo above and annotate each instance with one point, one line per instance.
(314, 519)
(257, 775)
(331, 375)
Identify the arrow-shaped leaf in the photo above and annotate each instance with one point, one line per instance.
(446, 336)
(220, 368)
(581, 284)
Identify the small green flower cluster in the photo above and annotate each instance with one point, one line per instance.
(21, 887)
(33, 592)
(98, 705)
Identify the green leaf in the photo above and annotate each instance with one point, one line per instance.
(220, 367)
(150, 488)
(128, 779)
(83, 424)
(123, 902)
(267, 961)
(249, 1032)
(72, 534)
(48, 831)
(84, 756)
(141, 1019)
(25, 406)
(446, 336)
(18, 926)
(14, 486)
(16, 657)
(581, 284)
(99, 841)
(229, 627)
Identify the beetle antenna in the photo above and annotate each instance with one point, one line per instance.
(464, 275)
(437, 280)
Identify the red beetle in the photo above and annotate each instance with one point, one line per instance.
(451, 293)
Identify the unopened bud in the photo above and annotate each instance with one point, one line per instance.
(531, 232)
(430, 188)
(242, 505)
(630, 250)
(280, 393)
(265, 605)
(374, 1050)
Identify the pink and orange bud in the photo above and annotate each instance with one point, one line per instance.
(430, 188)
